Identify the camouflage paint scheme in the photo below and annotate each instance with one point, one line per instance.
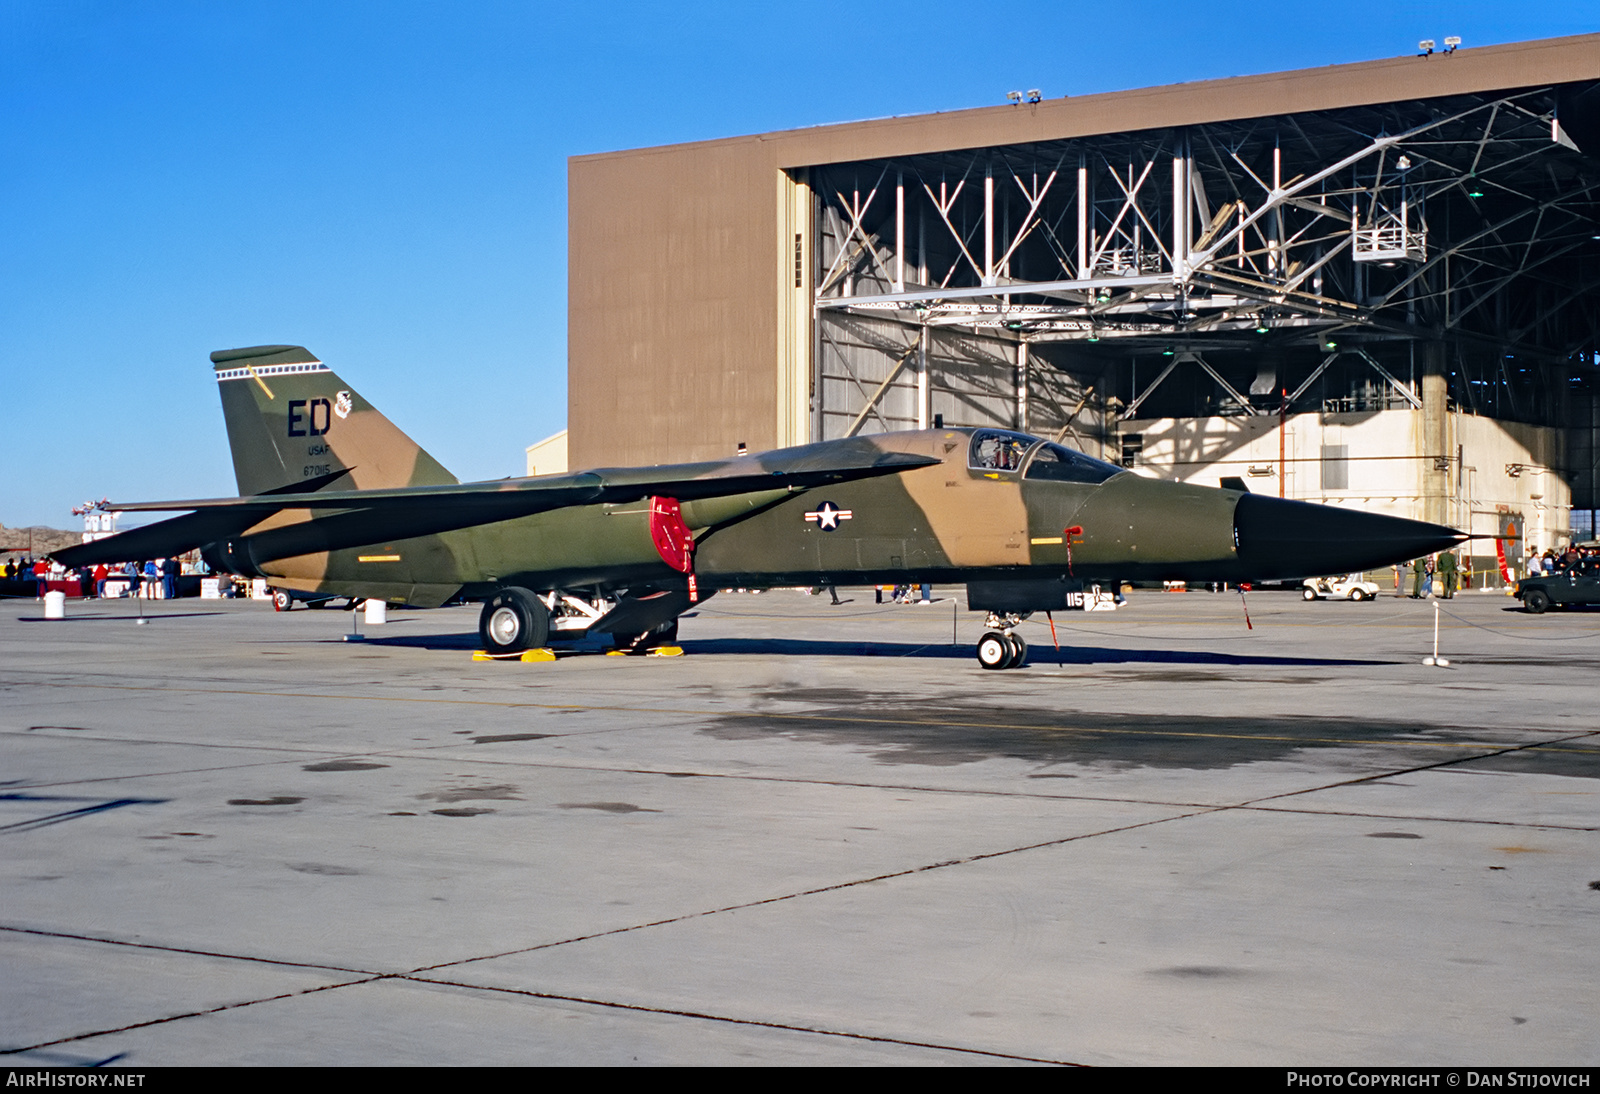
(336, 500)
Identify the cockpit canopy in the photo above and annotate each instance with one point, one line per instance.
(1003, 450)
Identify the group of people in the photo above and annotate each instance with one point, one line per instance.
(1446, 569)
(1553, 561)
(1425, 570)
(155, 578)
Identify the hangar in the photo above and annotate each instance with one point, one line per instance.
(1374, 284)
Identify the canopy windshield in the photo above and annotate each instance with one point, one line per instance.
(1007, 451)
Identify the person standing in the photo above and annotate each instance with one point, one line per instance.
(1419, 573)
(1447, 574)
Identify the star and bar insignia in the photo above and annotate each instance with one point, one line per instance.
(828, 515)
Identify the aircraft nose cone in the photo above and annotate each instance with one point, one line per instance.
(1280, 538)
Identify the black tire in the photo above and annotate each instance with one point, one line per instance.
(282, 601)
(1310, 593)
(1019, 651)
(1358, 595)
(994, 652)
(513, 620)
(1536, 601)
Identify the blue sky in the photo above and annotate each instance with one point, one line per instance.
(385, 183)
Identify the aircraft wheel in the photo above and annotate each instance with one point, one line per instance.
(1019, 651)
(513, 620)
(994, 651)
(282, 601)
(1310, 594)
(1536, 601)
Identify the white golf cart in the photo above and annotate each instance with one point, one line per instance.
(1348, 587)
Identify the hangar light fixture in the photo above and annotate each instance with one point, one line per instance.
(1426, 46)
(1014, 97)
(1452, 43)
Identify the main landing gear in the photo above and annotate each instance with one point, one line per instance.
(516, 619)
(1001, 647)
(665, 634)
(513, 620)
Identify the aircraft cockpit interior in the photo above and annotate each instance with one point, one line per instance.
(999, 450)
(1003, 450)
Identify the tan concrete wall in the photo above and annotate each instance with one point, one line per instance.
(1539, 492)
(549, 456)
(672, 317)
(1388, 465)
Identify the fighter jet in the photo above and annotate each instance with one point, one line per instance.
(335, 501)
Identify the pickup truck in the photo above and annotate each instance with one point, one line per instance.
(1563, 588)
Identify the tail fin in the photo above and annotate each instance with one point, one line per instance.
(293, 423)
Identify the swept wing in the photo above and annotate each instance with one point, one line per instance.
(352, 518)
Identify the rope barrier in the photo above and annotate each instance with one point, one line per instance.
(1523, 637)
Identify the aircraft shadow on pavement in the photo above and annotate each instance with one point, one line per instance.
(1038, 653)
(152, 616)
(465, 641)
(801, 647)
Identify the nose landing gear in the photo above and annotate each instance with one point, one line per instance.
(1001, 647)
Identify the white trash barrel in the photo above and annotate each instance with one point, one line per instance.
(55, 605)
(377, 610)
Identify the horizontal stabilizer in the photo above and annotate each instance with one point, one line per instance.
(164, 539)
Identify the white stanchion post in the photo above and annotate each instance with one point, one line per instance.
(55, 604)
(377, 611)
(1436, 660)
(355, 634)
